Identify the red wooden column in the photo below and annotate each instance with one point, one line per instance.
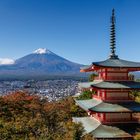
(105, 94)
(105, 74)
(104, 118)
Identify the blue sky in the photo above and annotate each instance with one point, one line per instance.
(75, 29)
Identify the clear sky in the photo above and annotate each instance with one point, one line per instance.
(75, 29)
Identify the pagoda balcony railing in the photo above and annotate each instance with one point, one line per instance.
(114, 78)
(136, 117)
(122, 120)
(112, 98)
(116, 120)
(119, 98)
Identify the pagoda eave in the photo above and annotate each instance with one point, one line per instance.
(131, 85)
(97, 67)
(90, 69)
(95, 105)
(126, 89)
(96, 111)
(100, 131)
(112, 63)
(112, 85)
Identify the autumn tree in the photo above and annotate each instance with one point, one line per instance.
(28, 117)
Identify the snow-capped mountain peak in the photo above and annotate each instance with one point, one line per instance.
(42, 51)
(40, 64)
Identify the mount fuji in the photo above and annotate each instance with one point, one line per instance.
(40, 63)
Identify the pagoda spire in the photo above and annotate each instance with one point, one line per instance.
(112, 37)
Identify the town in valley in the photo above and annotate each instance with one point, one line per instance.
(53, 90)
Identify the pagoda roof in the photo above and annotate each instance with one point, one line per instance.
(121, 107)
(111, 84)
(105, 131)
(100, 106)
(119, 63)
(98, 130)
(87, 104)
(112, 63)
(87, 84)
(88, 123)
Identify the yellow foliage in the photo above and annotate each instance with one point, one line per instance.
(137, 137)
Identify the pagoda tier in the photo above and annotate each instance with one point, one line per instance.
(112, 69)
(109, 113)
(117, 85)
(107, 132)
(113, 91)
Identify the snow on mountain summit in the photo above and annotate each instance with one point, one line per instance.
(42, 51)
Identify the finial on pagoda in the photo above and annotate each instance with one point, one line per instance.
(112, 36)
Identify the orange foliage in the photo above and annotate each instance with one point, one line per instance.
(20, 96)
(25, 116)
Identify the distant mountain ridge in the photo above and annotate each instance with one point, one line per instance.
(41, 62)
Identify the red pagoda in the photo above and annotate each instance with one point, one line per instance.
(111, 111)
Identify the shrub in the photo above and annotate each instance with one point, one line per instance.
(85, 95)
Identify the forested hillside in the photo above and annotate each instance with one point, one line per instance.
(27, 117)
